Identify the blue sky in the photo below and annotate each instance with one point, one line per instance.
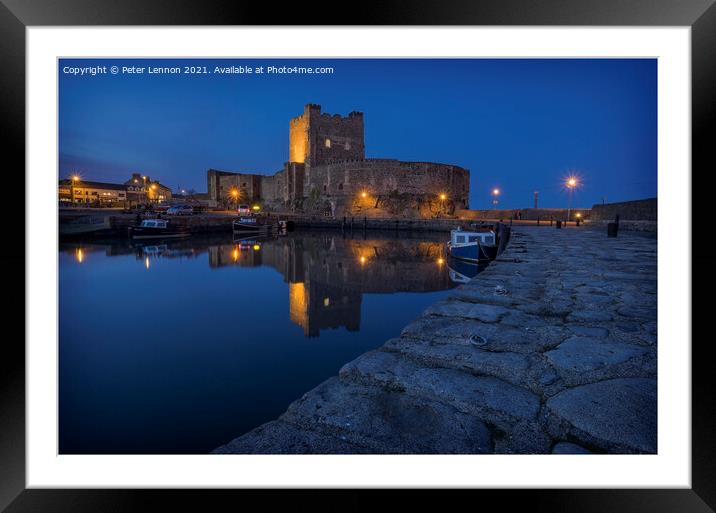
(517, 124)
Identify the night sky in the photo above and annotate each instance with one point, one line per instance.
(519, 125)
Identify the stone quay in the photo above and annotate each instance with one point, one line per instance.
(551, 349)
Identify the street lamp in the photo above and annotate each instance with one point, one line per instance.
(495, 194)
(73, 180)
(235, 195)
(571, 184)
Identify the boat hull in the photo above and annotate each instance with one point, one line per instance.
(473, 252)
(250, 224)
(156, 233)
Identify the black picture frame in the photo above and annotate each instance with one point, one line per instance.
(16, 15)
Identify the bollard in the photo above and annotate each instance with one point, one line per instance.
(550, 221)
(351, 224)
(343, 226)
(612, 229)
(559, 224)
(537, 220)
(503, 237)
(577, 222)
(365, 223)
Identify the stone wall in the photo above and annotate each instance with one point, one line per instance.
(638, 210)
(221, 183)
(529, 214)
(387, 188)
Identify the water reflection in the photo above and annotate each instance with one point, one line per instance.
(327, 274)
(178, 347)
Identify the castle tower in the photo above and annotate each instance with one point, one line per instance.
(317, 138)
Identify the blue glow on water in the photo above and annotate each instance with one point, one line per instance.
(179, 348)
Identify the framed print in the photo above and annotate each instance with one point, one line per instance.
(443, 247)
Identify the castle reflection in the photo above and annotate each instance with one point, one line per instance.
(327, 273)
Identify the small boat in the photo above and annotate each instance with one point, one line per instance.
(157, 229)
(472, 246)
(251, 224)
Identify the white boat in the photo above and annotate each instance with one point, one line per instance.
(472, 246)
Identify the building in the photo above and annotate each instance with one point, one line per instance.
(141, 189)
(92, 193)
(327, 173)
(137, 190)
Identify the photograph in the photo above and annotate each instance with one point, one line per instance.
(357, 256)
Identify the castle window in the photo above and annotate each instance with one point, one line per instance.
(340, 186)
(348, 145)
(324, 188)
(328, 143)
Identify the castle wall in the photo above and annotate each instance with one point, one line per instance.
(344, 183)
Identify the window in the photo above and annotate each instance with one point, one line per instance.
(460, 239)
(348, 145)
(328, 143)
(324, 188)
(472, 239)
(340, 186)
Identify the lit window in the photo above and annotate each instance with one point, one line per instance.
(348, 145)
(328, 143)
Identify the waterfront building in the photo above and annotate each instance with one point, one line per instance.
(142, 189)
(137, 190)
(91, 193)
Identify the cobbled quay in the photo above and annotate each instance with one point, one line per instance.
(551, 349)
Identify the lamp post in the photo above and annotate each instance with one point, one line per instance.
(75, 178)
(571, 184)
(443, 197)
(495, 194)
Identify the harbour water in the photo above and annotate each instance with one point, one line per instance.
(179, 347)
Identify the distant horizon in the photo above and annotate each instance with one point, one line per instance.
(518, 125)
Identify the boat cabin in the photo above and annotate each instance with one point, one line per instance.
(465, 238)
(154, 223)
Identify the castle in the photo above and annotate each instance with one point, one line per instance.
(327, 174)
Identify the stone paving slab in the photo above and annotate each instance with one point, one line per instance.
(388, 422)
(492, 399)
(616, 415)
(551, 349)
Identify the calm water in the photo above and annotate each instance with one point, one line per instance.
(179, 348)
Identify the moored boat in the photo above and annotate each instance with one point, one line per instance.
(251, 224)
(157, 229)
(472, 246)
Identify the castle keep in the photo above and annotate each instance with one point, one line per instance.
(327, 173)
